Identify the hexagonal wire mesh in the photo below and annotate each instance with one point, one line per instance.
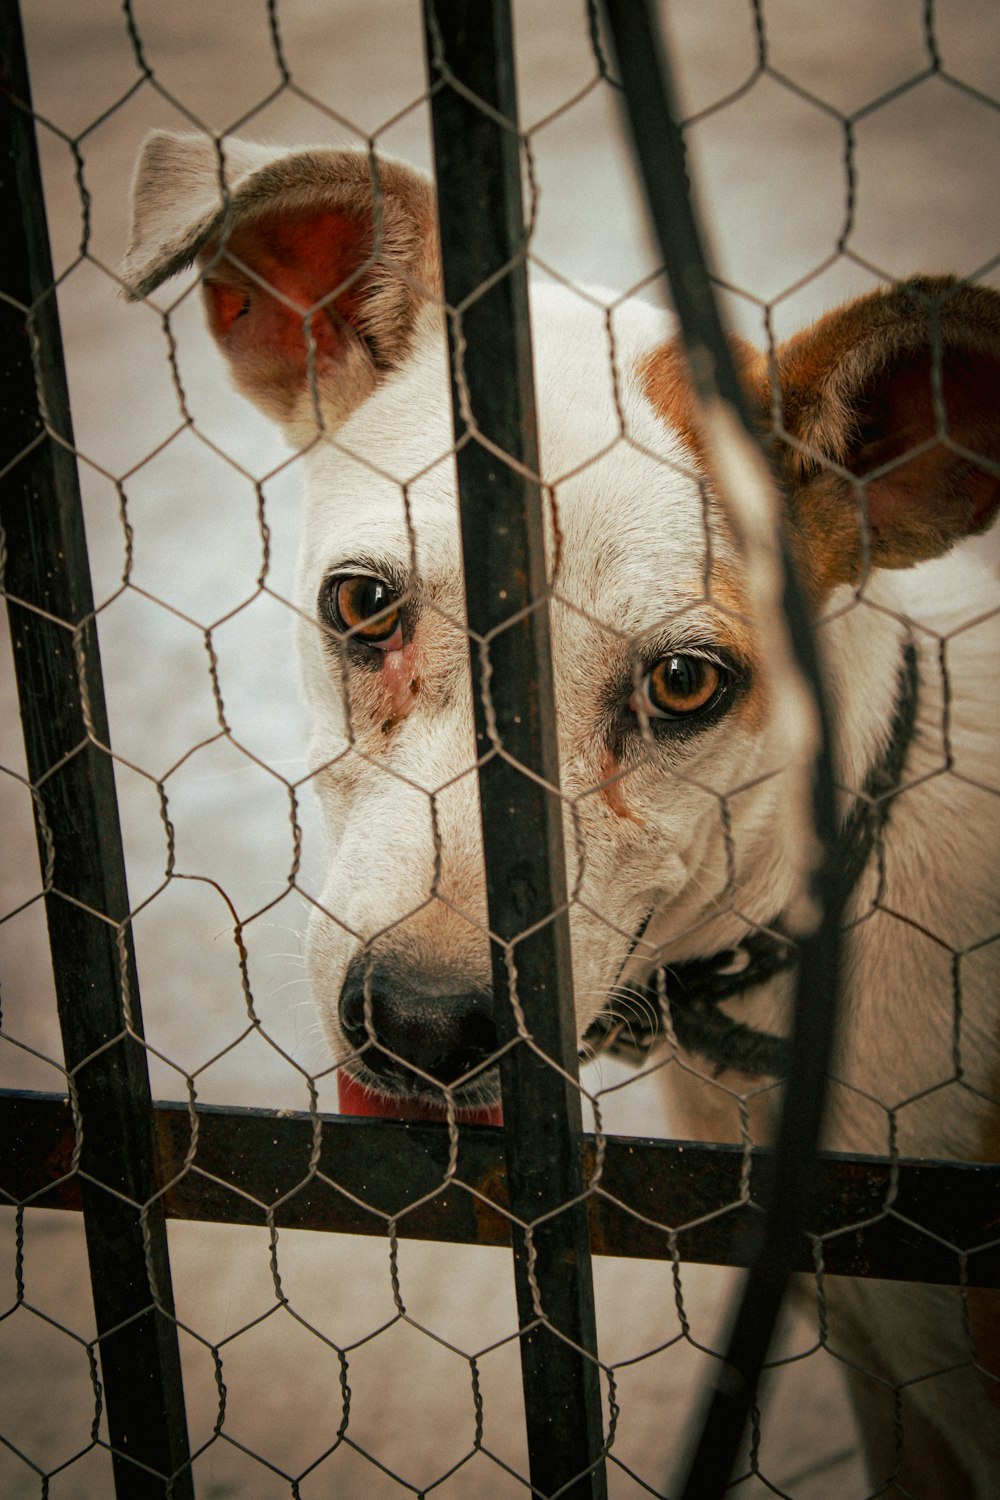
(411, 1386)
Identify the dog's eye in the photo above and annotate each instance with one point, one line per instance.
(677, 687)
(367, 609)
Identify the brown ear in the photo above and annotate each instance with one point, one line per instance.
(314, 263)
(902, 390)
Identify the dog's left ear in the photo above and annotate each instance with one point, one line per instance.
(902, 390)
(315, 263)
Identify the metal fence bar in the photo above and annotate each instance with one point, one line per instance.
(47, 583)
(648, 97)
(921, 1220)
(105, 1148)
(473, 104)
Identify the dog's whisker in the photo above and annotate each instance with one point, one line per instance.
(628, 1004)
(682, 722)
(294, 932)
(288, 984)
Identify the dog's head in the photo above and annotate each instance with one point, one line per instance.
(321, 283)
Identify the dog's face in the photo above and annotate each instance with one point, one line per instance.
(324, 296)
(656, 679)
(633, 635)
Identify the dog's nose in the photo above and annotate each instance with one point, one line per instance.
(439, 1031)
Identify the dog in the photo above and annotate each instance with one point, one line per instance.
(321, 280)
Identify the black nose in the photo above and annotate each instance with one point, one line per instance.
(441, 1030)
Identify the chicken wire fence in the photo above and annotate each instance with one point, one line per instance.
(91, 1136)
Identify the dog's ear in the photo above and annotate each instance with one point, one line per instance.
(901, 389)
(314, 262)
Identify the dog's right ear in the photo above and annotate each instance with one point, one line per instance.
(315, 263)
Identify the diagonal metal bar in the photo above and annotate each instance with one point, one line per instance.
(46, 580)
(648, 99)
(477, 156)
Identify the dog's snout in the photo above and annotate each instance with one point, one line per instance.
(441, 1032)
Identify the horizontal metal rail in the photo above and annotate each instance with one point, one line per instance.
(902, 1220)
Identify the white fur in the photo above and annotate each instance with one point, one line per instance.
(404, 875)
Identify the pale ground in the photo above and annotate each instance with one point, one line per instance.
(773, 187)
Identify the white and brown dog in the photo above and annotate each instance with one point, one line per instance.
(323, 290)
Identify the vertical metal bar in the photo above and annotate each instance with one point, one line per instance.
(46, 581)
(471, 69)
(648, 97)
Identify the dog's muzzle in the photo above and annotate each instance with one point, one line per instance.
(409, 1036)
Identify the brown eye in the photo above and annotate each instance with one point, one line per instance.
(678, 686)
(367, 609)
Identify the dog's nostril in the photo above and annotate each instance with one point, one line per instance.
(439, 1033)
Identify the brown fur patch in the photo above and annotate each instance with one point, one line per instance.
(857, 391)
(666, 381)
(733, 630)
(732, 613)
(611, 789)
(402, 706)
(381, 698)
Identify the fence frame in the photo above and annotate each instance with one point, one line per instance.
(54, 638)
(868, 1215)
(126, 1161)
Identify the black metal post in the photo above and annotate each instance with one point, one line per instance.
(46, 581)
(477, 153)
(648, 99)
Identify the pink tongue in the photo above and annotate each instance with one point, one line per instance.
(355, 1099)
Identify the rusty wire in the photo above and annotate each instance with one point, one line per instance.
(355, 1436)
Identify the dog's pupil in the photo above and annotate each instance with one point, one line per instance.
(358, 599)
(683, 676)
(373, 596)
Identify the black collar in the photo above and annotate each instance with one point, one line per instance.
(690, 991)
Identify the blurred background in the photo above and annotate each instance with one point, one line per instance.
(868, 148)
